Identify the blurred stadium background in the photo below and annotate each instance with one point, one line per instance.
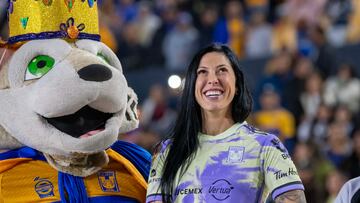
(301, 59)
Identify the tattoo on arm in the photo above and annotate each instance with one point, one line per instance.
(293, 196)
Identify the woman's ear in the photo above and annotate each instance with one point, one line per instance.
(131, 119)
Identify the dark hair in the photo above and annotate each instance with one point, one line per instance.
(184, 139)
(350, 68)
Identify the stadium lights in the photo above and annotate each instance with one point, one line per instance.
(174, 81)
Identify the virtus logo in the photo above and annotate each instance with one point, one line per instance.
(221, 189)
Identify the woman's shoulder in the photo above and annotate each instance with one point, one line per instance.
(257, 134)
(252, 130)
(164, 145)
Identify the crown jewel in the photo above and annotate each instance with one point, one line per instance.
(46, 19)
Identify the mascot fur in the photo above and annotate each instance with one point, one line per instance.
(64, 100)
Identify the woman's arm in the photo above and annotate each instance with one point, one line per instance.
(293, 196)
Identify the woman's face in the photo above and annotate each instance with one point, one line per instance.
(215, 84)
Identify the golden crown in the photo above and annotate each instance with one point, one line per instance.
(47, 19)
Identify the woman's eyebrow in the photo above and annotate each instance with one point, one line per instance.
(218, 66)
(221, 65)
(203, 67)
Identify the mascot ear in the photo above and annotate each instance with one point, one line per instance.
(6, 140)
(131, 120)
(5, 55)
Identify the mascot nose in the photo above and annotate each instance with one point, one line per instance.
(95, 72)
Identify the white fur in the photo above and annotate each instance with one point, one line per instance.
(98, 47)
(61, 92)
(131, 124)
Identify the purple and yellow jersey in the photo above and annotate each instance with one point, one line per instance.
(31, 180)
(238, 165)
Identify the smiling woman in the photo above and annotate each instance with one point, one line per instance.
(212, 154)
(214, 91)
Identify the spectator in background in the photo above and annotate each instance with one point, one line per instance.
(338, 144)
(154, 54)
(257, 6)
(303, 68)
(303, 160)
(164, 4)
(310, 98)
(231, 29)
(180, 43)
(343, 115)
(353, 28)
(156, 116)
(147, 22)
(284, 36)
(208, 18)
(352, 164)
(343, 89)
(325, 58)
(335, 180)
(313, 169)
(109, 18)
(272, 117)
(306, 46)
(258, 36)
(308, 11)
(127, 10)
(337, 14)
(130, 51)
(277, 73)
(316, 130)
(107, 35)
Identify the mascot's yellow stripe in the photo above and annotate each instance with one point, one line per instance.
(1, 199)
(10, 163)
(129, 166)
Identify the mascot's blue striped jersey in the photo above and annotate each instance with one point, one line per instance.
(25, 176)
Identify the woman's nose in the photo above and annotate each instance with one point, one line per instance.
(213, 79)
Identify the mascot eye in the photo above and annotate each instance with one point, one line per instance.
(39, 66)
(103, 57)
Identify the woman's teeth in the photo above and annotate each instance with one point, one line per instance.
(213, 93)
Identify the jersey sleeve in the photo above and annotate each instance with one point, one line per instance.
(350, 192)
(344, 194)
(280, 172)
(154, 190)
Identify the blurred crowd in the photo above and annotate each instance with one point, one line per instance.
(305, 96)
(166, 33)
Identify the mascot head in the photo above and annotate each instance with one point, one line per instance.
(62, 92)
